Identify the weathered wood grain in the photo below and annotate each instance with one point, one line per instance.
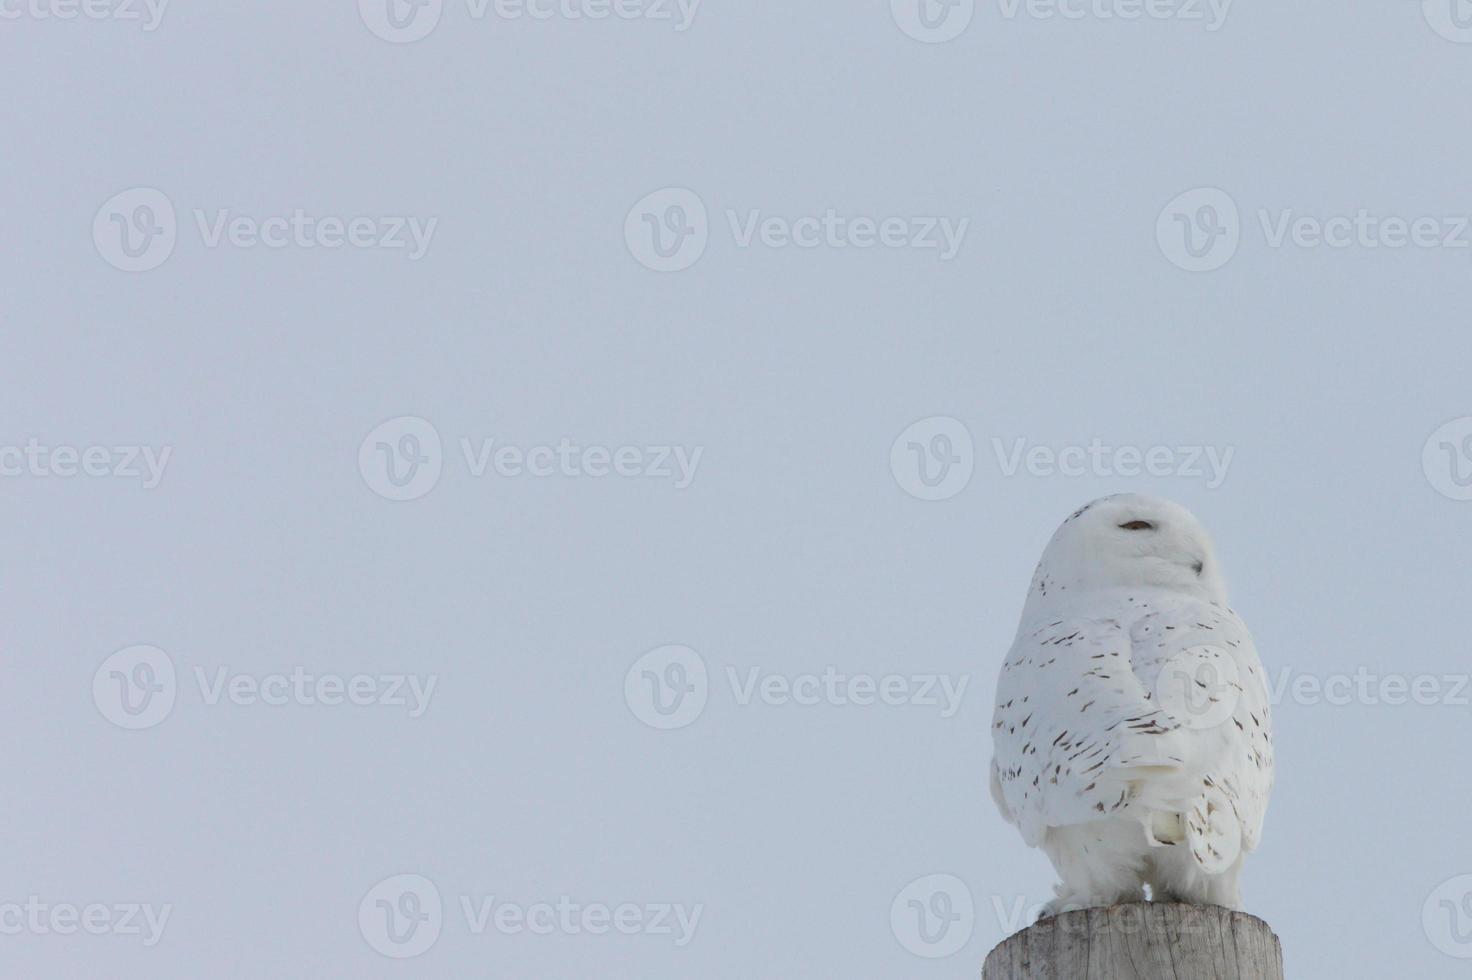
(1141, 941)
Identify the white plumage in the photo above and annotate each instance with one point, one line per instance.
(1131, 734)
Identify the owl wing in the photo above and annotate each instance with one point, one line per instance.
(1199, 660)
(1071, 715)
(1084, 727)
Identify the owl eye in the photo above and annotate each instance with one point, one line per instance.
(1138, 526)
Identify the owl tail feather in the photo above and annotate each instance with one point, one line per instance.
(1213, 831)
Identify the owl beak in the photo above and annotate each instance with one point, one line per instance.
(1198, 566)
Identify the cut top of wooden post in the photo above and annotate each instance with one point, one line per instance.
(1141, 941)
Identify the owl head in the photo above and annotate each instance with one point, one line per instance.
(1128, 540)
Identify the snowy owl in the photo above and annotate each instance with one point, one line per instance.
(1131, 734)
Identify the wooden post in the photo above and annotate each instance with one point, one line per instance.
(1141, 941)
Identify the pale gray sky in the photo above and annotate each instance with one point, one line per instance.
(533, 388)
